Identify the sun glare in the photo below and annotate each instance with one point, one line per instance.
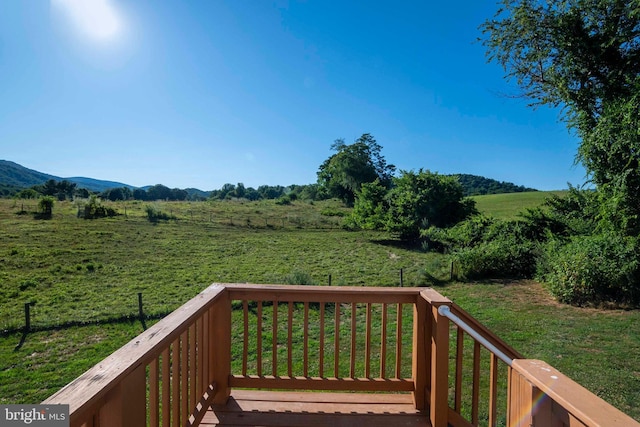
(96, 19)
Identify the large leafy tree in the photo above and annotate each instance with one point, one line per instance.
(583, 56)
(342, 174)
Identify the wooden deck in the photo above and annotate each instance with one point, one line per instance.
(265, 408)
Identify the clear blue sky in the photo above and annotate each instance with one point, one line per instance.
(204, 92)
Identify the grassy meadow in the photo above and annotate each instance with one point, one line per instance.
(84, 277)
(509, 206)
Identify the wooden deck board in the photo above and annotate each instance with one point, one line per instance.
(265, 408)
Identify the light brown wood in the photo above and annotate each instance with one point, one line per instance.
(439, 369)
(274, 339)
(89, 389)
(222, 350)
(398, 340)
(154, 393)
(245, 336)
(165, 396)
(193, 369)
(475, 393)
(317, 383)
(383, 342)
(457, 406)
(259, 338)
(584, 406)
(184, 373)
(419, 364)
(290, 339)
(367, 345)
(352, 364)
(124, 405)
(336, 341)
(493, 390)
(321, 342)
(305, 356)
(175, 382)
(328, 294)
(253, 408)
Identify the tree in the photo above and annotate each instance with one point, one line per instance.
(342, 174)
(584, 56)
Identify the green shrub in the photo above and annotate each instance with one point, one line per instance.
(154, 214)
(592, 269)
(299, 278)
(503, 257)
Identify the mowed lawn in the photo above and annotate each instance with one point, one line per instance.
(91, 271)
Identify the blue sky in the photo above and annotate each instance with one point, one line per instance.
(205, 92)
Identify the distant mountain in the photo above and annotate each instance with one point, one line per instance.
(13, 175)
(474, 185)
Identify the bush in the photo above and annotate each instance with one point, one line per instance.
(592, 269)
(504, 257)
(45, 206)
(154, 214)
(94, 209)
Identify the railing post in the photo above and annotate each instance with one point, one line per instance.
(439, 368)
(221, 337)
(125, 405)
(528, 406)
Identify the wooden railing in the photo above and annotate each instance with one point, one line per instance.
(327, 338)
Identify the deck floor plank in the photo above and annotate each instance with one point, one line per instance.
(287, 409)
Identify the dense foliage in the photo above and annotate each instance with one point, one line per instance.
(584, 56)
(474, 185)
(415, 201)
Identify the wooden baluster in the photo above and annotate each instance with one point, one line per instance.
(306, 340)
(154, 392)
(476, 383)
(245, 341)
(399, 341)
(184, 376)
(175, 382)
(166, 381)
(193, 369)
(457, 405)
(352, 370)
(200, 357)
(290, 340)
(367, 345)
(493, 390)
(383, 342)
(419, 364)
(259, 339)
(274, 343)
(321, 343)
(336, 349)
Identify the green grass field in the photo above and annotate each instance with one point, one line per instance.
(509, 206)
(90, 271)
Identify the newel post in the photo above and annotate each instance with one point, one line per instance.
(438, 376)
(527, 404)
(221, 347)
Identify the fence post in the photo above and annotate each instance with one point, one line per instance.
(221, 336)
(27, 316)
(140, 311)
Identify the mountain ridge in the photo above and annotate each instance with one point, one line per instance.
(14, 176)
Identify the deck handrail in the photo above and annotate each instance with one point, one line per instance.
(446, 311)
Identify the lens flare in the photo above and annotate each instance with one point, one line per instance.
(96, 19)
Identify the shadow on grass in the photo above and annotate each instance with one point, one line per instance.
(412, 245)
(80, 323)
